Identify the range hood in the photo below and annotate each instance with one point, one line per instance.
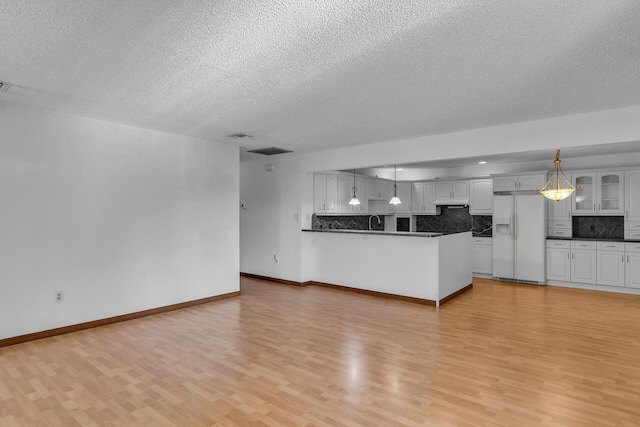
(452, 202)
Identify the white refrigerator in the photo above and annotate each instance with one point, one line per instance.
(519, 233)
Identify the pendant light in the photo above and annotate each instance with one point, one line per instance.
(395, 200)
(557, 190)
(354, 200)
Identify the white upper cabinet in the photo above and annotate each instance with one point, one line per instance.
(345, 193)
(632, 195)
(452, 192)
(599, 193)
(404, 194)
(325, 193)
(481, 196)
(525, 182)
(423, 198)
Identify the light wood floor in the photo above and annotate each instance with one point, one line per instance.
(498, 355)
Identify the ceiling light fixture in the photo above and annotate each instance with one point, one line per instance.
(395, 200)
(557, 191)
(482, 163)
(354, 200)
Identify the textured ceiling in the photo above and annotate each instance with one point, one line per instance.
(312, 74)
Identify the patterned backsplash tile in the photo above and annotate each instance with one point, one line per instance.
(598, 227)
(355, 222)
(455, 220)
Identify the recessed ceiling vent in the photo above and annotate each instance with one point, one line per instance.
(239, 136)
(269, 151)
(4, 86)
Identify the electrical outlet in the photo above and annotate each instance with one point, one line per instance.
(59, 296)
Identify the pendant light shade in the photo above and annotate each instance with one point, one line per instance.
(558, 187)
(354, 200)
(395, 200)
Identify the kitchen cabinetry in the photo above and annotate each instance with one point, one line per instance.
(559, 260)
(632, 205)
(423, 198)
(600, 193)
(525, 182)
(610, 264)
(381, 192)
(454, 192)
(559, 217)
(481, 197)
(632, 265)
(482, 255)
(583, 262)
(325, 193)
(403, 191)
(345, 193)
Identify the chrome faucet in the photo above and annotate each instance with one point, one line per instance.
(371, 217)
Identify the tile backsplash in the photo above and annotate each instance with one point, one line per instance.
(352, 222)
(455, 220)
(598, 227)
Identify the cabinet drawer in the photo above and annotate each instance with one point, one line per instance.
(559, 224)
(482, 240)
(632, 235)
(559, 232)
(632, 226)
(610, 246)
(632, 247)
(559, 244)
(583, 245)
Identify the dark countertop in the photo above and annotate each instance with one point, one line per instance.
(376, 232)
(592, 239)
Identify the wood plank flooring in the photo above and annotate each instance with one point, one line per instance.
(498, 355)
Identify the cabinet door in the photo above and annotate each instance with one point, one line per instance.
(443, 190)
(559, 211)
(361, 192)
(632, 270)
(332, 193)
(584, 198)
(482, 259)
(610, 193)
(505, 183)
(429, 198)
(417, 197)
(320, 193)
(558, 264)
(583, 266)
(610, 268)
(632, 195)
(531, 182)
(481, 197)
(345, 192)
(460, 191)
(404, 194)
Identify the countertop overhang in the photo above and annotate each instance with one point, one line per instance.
(376, 232)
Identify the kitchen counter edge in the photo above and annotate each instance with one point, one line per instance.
(377, 233)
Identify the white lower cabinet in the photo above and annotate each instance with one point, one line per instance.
(610, 264)
(583, 262)
(482, 255)
(632, 265)
(598, 263)
(559, 260)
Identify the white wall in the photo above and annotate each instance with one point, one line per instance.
(291, 193)
(121, 219)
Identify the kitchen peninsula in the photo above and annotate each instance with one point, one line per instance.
(426, 267)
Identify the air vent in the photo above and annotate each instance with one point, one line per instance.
(239, 136)
(269, 151)
(4, 86)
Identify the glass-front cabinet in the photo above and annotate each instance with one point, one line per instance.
(598, 193)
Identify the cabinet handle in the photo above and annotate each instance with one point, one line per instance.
(567, 255)
(599, 206)
(594, 206)
(622, 258)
